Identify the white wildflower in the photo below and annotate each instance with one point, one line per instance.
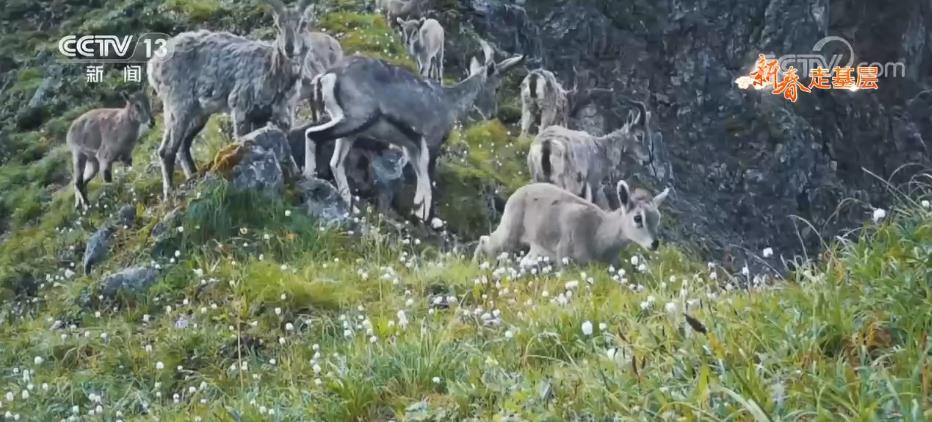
(879, 214)
(768, 252)
(587, 328)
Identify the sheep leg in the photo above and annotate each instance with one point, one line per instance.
(80, 193)
(91, 170)
(440, 66)
(187, 139)
(310, 159)
(423, 68)
(420, 160)
(548, 116)
(536, 252)
(167, 152)
(563, 251)
(601, 200)
(106, 170)
(527, 116)
(241, 124)
(340, 151)
(587, 192)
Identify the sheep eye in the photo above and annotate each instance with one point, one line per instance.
(638, 220)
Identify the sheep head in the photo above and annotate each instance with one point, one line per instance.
(292, 22)
(139, 108)
(639, 215)
(493, 73)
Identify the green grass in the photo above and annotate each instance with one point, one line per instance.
(283, 317)
(483, 164)
(367, 34)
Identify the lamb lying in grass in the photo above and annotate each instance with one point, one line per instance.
(557, 224)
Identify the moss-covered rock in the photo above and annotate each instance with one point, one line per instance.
(482, 166)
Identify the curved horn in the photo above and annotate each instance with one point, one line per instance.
(640, 105)
(487, 51)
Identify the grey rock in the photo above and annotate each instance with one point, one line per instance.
(126, 216)
(134, 280)
(388, 166)
(321, 200)
(168, 222)
(258, 169)
(274, 139)
(97, 248)
(47, 88)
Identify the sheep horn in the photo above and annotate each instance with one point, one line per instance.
(640, 105)
(487, 51)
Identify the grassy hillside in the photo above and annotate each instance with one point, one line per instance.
(258, 313)
(264, 316)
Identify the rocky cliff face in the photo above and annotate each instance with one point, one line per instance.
(743, 162)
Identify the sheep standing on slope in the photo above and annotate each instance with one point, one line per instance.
(557, 224)
(203, 73)
(579, 162)
(395, 9)
(544, 102)
(369, 98)
(100, 137)
(425, 39)
(324, 52)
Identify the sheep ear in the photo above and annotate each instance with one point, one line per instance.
(507, 64)
(624, 197)
(487, 51)
(400, 21)
(474, 66)
(309, 14)
(661, 197)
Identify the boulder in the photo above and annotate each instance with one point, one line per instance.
(97, 248)
(274, 139)
(171, 220)
(258, 170)
(134, 280)
(126, 216)
(250, 166)
(321, 200)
